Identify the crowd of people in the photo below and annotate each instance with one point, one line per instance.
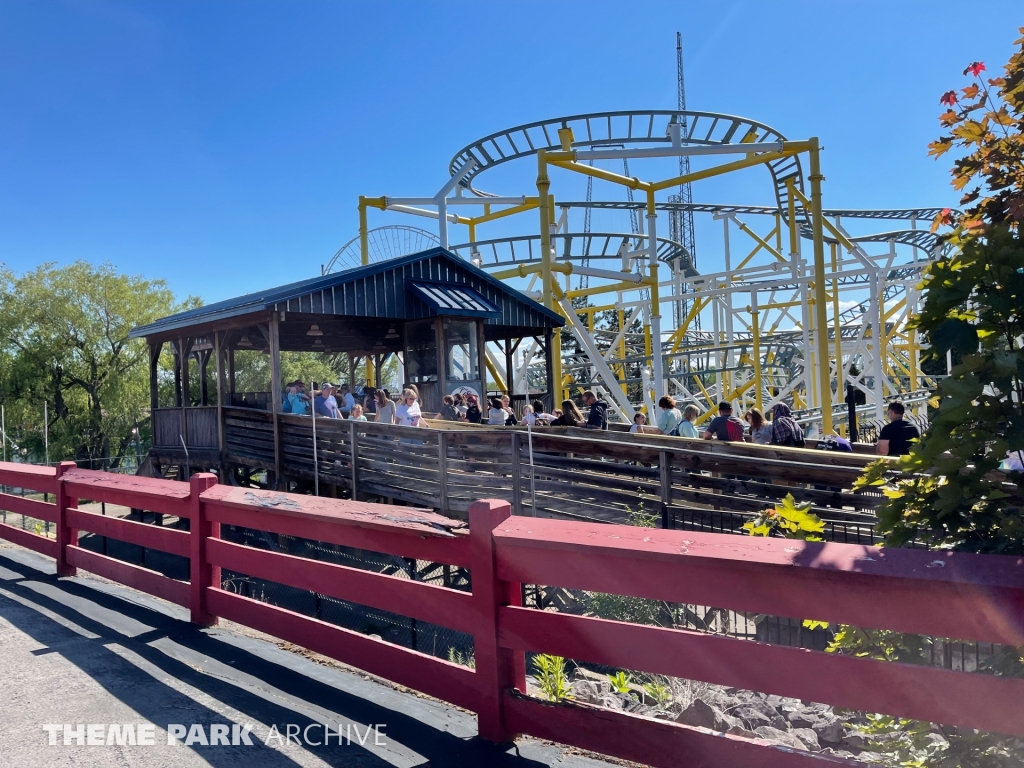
(339, 402)
(894, 439)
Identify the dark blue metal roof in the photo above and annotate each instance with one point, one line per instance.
(375, 290)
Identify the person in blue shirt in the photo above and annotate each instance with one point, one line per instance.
(321, 404)
(687, 427)
(669, 418)
(298, 401)
(347, 401)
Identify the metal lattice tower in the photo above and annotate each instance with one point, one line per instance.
(681, 221)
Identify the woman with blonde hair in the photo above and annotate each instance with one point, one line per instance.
(408, 413)
(687, 427)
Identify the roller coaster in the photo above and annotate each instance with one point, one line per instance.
(795, 308)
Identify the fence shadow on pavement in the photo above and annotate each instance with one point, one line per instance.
(146, 655)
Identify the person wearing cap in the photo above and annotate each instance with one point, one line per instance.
(332, 404)
(725, 426)
(322, 406)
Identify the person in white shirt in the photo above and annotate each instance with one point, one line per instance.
(639, 420)
(497, 415)
(535, 413)
(408, 413)
(347, 401)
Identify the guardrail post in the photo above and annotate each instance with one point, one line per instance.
(497, 669)
(442, 471)
(66, 536)
(201, 573)
(665, 476)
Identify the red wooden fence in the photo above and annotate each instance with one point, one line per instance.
(962, 596)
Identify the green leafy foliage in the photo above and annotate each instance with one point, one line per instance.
(880, 644)
(620, 681)
(464, 659)
(916, 744)
(551, 676)
(947, 492)
(640, 517)
(788, 520)
(64, 340)
(660, 693)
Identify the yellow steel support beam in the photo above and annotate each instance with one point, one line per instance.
(837, 323)
(499, 380)
(748, 162)
(529, 205)
(598, 173)
(547, 278)
(821, 317)
(698, 304)
(623, 286)
(364, 244)
(762, 243)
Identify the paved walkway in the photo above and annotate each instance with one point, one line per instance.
(85, 652)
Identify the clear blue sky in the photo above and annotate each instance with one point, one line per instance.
(222, 145)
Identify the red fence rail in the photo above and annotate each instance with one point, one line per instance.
(964, 596)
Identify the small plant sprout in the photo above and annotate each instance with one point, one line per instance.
(620, 681)
(640, 517)
(661, 694)
(551, 677)
(464, 659)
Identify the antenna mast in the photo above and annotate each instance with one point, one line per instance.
(682, 220)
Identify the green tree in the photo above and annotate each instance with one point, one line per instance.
(947, 493)
(64, 340)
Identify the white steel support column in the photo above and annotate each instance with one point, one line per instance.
(878, 339)
(717, 331)
(442, 221)
(727, 299)
(658, 367)
(805, 316)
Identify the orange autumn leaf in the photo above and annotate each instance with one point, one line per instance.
(949, 117)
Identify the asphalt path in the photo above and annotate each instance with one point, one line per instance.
(83, 652)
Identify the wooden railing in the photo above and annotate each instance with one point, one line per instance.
(973, 597)
(197, 426)
(567, 473)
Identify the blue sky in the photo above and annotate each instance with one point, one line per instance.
(222, 145)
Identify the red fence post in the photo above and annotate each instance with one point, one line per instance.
(201, 573)
(66, 536)
(497, 669)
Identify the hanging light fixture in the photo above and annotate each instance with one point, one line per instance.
(244, 342)
(314, 330)
(318, 344)
(392, 333)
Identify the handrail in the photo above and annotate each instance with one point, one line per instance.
(943, 594)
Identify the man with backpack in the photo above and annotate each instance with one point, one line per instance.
(725, 426)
